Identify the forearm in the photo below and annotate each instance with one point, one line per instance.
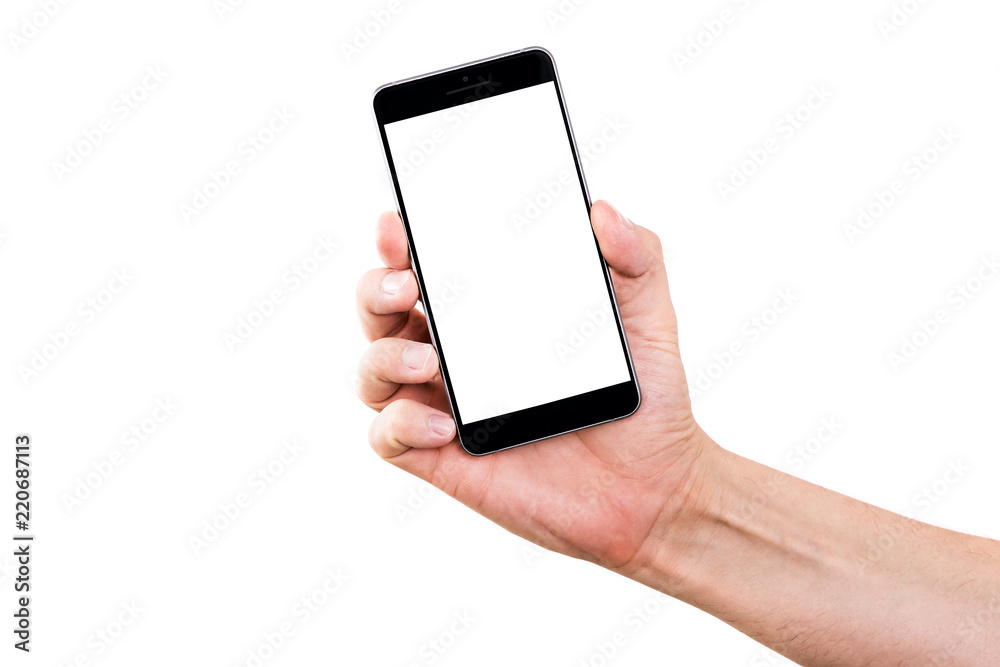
(822, 578)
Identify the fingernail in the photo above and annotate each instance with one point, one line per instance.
(393, 282)
(440, 424)
(415, 356)
(621, 218)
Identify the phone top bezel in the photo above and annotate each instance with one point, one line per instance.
(436, 91)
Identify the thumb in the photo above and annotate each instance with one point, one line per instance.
(632, 251)
(635, 256)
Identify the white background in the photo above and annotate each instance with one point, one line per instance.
(511, 270)
(336, 504)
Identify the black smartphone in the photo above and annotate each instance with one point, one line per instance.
(518, 297)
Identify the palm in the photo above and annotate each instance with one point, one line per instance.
(593, 493)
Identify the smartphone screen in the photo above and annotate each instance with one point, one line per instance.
(498, 220)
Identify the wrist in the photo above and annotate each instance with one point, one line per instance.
(728, 513)
(690, 504)
(821, 577)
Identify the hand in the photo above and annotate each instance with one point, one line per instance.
(655, 499)
(594, 494)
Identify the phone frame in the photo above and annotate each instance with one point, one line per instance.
(441, 90)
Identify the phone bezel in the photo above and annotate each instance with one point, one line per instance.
(440, 90)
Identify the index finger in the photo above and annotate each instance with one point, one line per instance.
(390, 239)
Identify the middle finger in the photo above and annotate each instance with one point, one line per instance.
(391, 362)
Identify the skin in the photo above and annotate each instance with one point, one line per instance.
(818, 577)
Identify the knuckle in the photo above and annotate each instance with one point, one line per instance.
(384, 357)
(359, 291)
(395, 419)
(374, 437)
(656, 243)
(359, 389)
(365, 367)
(383, 434)
(370, 278)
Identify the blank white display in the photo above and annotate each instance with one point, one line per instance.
(511, 269)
